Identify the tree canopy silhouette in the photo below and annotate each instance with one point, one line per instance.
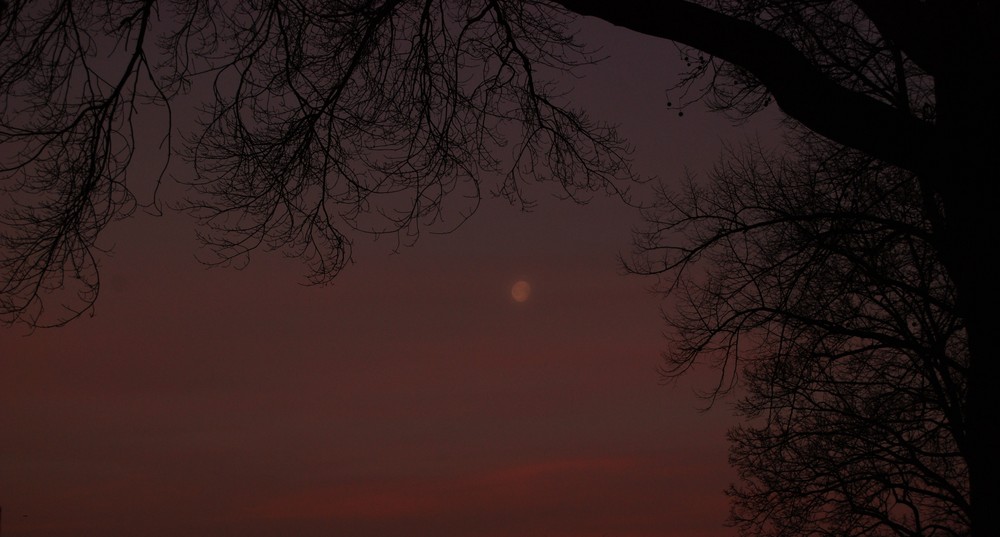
(320, 118)
(363, 114)
(813, 279)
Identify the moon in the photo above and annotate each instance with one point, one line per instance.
(520, 291)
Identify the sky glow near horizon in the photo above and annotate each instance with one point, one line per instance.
(412, 397)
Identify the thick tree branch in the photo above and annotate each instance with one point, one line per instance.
(910, 25)
(799, 88)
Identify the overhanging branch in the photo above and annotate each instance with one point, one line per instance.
(800, 89)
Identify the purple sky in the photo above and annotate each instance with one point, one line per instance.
(413, 397)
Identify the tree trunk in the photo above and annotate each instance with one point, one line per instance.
(983, 419)
(968, 184)
(972, 240)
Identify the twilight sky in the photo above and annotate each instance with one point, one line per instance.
(413, 397)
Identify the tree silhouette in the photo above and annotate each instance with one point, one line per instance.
(904, 83)
(813, 279)
(325, 117)
(321, 118)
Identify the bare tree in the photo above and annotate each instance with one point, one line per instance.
(904, 83)
(324, 117)
(814, 280)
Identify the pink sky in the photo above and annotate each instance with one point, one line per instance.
(413, 397)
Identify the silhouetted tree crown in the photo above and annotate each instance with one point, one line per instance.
(812, 279)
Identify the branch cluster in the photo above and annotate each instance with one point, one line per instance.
(319, 119)
(813, 283)
(67, 135)
(841, 39)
